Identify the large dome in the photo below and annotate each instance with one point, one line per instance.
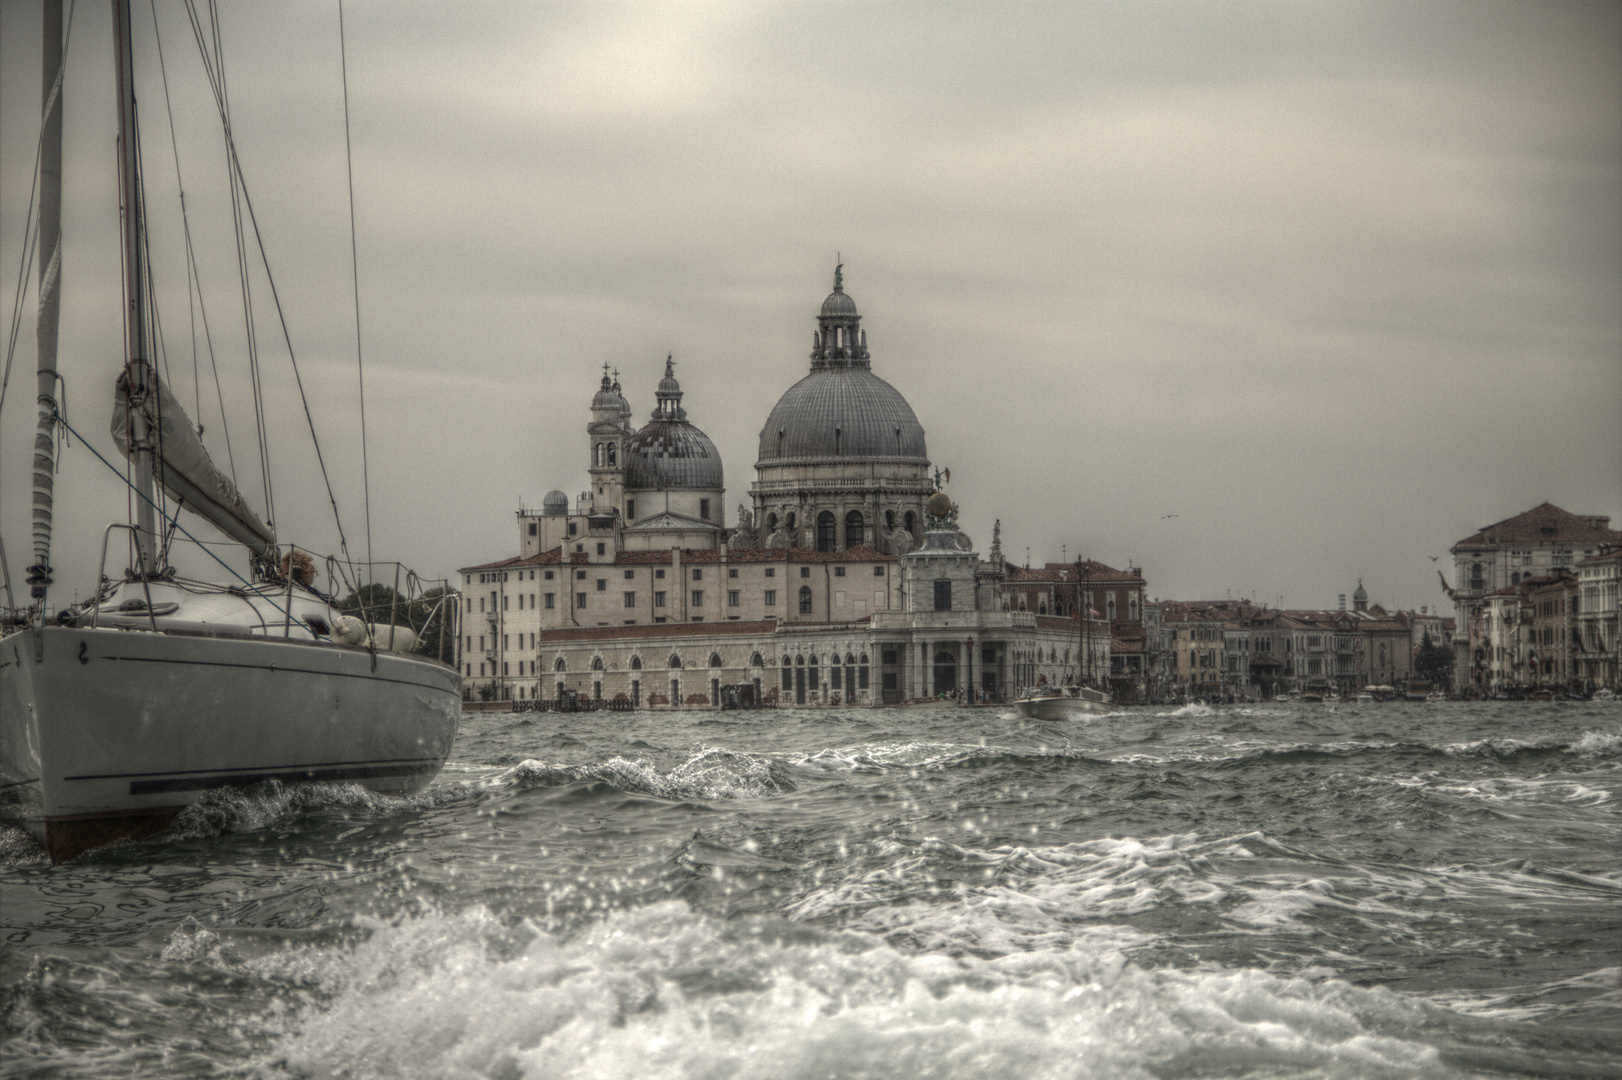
(842, 413)
(669, 455)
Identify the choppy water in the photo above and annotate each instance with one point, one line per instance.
(1307, 891)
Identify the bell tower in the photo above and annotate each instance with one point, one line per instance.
(606, 434)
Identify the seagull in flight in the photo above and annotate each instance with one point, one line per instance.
(1433, 558)
(1163, 517)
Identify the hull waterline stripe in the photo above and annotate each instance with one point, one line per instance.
(290, 776)
(399, 763)
(275, 669)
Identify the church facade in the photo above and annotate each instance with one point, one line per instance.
(835, 586)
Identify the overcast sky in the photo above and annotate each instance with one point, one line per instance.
(1265, 298)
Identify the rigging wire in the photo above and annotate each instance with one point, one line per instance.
(194, 277)
(30, 225)
(354, 269)
(217, 81)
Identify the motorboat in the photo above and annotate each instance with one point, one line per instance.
(1047, 702)
(117, 713)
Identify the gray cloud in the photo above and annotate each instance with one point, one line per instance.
(1334, 284)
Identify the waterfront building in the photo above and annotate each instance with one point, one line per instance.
(1501, 556)
(839, 587)
(1598, 651)
(1110, 596)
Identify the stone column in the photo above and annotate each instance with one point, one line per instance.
(968, 671)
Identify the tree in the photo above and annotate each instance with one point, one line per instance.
(1433, 662)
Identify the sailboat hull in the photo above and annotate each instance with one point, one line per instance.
(107, 734)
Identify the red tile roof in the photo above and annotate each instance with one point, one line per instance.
(1546, 524)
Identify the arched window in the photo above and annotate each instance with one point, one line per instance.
(1110, 609)
(771, 524)
(636, 663)
(560, 665)
(910, 523)
(805, 599)
(1041, 607)
(674, 661)
(791, 521)
(612, 454)
(854, 523)
(756, 661)
(861, 673)
(715, 659)
(826, 539)
(596, 663)
(788, 675)
(889, 521)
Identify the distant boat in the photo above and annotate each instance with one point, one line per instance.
(1604, 693)
(1053, 703)
(1435, 696)
(127, 708)
(1416, 690)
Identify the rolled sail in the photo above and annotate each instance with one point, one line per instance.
(182, 465)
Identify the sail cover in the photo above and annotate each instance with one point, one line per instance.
(182, 465)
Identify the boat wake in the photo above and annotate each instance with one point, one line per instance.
(711, 773)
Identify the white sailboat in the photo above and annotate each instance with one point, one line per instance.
(125, 709)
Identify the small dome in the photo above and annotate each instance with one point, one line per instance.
(555, 504)
(669, 455)
(608, 397)
(838, 305)
(1360, 594)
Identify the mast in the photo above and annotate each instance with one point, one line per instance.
(138, 373)
(50, 278)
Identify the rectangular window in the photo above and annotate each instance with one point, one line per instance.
(629, 574)
(630, 599)
(580, 600)
(580, 575)
(574, 527)
(550, 600)
(704, 509)
(660, 574)
(548, 574)
(602, 549)
(698, 573)
(732, 598)
(771, 571)
(481, 642)
(698, 597)
(943, 595)
(658, 599)
(771, 598)
(630, 508)
(602, 584)
(839, 571)
(805, 571)
(532, 528)
(732, 571)
(878, 571)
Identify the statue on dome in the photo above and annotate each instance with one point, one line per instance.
(744, 537)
